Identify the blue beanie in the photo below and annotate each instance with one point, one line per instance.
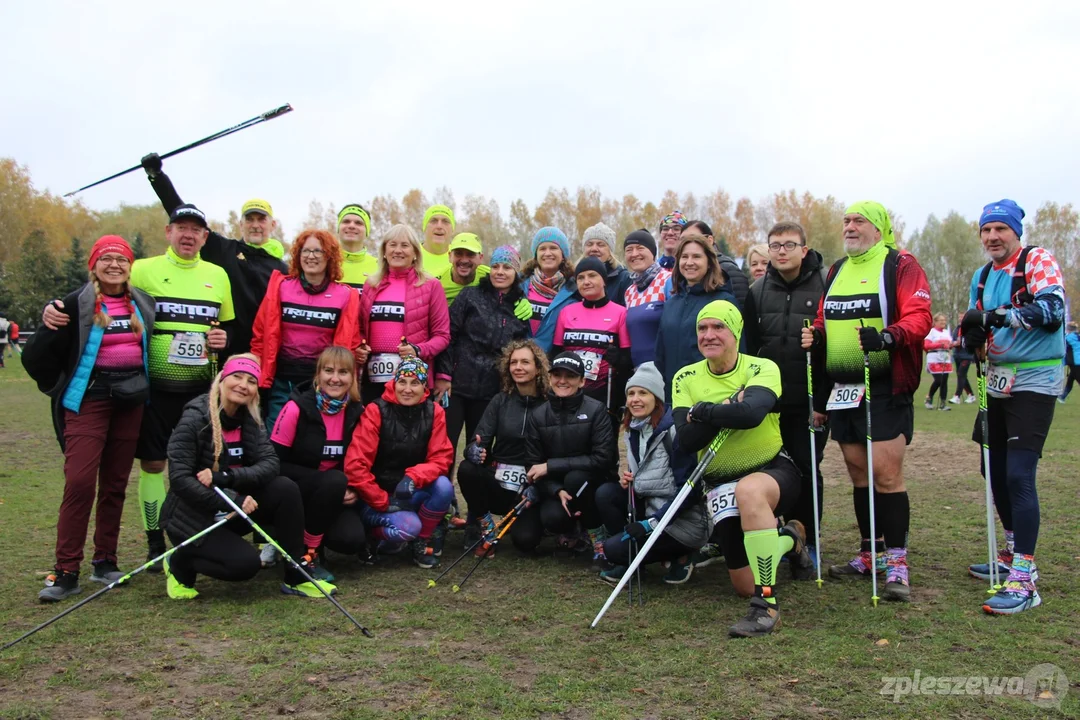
(1005, 211)
(551, 234)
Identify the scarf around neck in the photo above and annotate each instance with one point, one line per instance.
(644, 278)
(328, 405)
(547, 286)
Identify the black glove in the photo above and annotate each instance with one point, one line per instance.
(701, 411)
(402, 497)
(872, 340)
(639, 529)
(973, 330)
(998, 318)
(531, 494)
(151, 164)
(472, 453)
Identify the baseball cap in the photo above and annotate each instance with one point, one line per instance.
(187, 211)
(257, 205)
(466, 241)
(569, 362)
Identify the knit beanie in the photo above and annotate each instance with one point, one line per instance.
(591, 263)
(438, 210)
(551, 234)
(726, 313)
(507, 255)
(643, 238)
(600, 231)
(648, 377)
(1006, 211)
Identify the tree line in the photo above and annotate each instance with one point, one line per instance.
(44, 238)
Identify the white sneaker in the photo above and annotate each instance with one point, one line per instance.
(268, 556)
(969, 399)
(928, 405)
(954, 400)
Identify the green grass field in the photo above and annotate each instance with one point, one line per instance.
(515, 642)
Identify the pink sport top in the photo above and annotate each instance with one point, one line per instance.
(121, 349)
(308, 321)
(388, 315)
(590, 329)
(540, 305)
(333, 452)
(233, 446)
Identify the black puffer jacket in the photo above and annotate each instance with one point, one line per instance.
(482, 322)
(405, 432)
(190, 506)
(773, 314)
(309, 442)
(503, 427)
(572, 433)
(737, 282)
(249, 268)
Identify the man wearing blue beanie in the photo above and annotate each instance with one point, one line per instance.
(1017, 305)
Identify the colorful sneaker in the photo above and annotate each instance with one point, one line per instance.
(859, 566)
(613, 574)
(897, 585)
(174, 588)
(438, 537)
(106, 572)
(679, 571)
(982, 570)
(487, 526)
(1015, 597)
(268, 556)
(423, 556)
(707, 555)
(59, 585)
(762, 619)
(313, 564)
(308, 589)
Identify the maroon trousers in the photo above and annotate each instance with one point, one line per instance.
(99, 451)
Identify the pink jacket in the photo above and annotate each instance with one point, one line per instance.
(427, 319)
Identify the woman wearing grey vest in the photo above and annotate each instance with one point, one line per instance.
(654, 480)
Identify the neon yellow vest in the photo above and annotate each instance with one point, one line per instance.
(357, 267)
(856, 297)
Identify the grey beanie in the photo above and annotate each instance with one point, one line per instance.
(648, 377)
(600, 231)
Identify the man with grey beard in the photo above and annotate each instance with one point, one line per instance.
(876, 301)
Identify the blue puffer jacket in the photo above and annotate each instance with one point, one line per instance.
(545, 334)
(676, 342)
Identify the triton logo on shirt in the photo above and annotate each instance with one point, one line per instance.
(388, 311)
(119, 325)
(846, 305)
(587, 337)
(301, 315)
(332, 452)
(180, 310)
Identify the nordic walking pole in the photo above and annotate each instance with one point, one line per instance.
(213, 354)
(487, 551)
(870, 475)
(122, 580)
(813, 465)
(633, 546)
(526, 500)
(991, 526)
(268, 115)
(255, 526)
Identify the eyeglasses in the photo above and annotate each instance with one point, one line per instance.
(789, 246)
(312, 252)
(118, 260)
(671, 228)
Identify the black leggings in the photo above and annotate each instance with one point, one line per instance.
(795, 432)
(324, 514)
(666, 548)
(1072, 375)
(962, 383)
(941, 380)
(582, 486)
(465, 413)
(611, 501)
(484, 494)
(225, 555)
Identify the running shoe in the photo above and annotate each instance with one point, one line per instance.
(308, 589)
(1015, 597)
(368, 554)
(859, 566)
(174, 588)
(945, 407)
(954, 400)
(970, 399)
(268, 556)
(761, 619)
(928, 405)
(59, 585)
(982, 570)
(313, 564)
(679, 571)
(613, 574)
(422, 555)
(706, 555)
(106, 572)
(438, 537)
(797, 557)
(897, 584)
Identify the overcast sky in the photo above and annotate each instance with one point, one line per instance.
(926, 107)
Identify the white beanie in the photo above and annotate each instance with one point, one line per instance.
(648, 377)
(600, 231)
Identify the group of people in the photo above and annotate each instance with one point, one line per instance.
(326, 396)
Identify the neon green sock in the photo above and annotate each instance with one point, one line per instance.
(764, 548)
(151, 498)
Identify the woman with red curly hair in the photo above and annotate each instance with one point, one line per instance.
(303, 314)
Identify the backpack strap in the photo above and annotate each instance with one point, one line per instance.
(1018, 292)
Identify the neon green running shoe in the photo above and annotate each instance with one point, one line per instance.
(175, 589)
(307, 589)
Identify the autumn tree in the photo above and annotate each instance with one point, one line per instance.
(949, 252)
(35, 278)
(1057, 228)
(74, 270)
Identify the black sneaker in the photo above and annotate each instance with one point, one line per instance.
(155, 542)
(761, 620)
(106, 572)
(368, 555)
(438, 537)
(60, 585)
(423, 556)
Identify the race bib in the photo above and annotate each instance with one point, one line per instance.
(592, 364)
(1000, 379)
(188, 348)
(846, 397)
(720, 503)
(510, 477)
(381, 367)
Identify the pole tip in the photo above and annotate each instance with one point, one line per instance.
(456, 588)
(820, 582)
(431, 583)
(875, 599)
(367, 633)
